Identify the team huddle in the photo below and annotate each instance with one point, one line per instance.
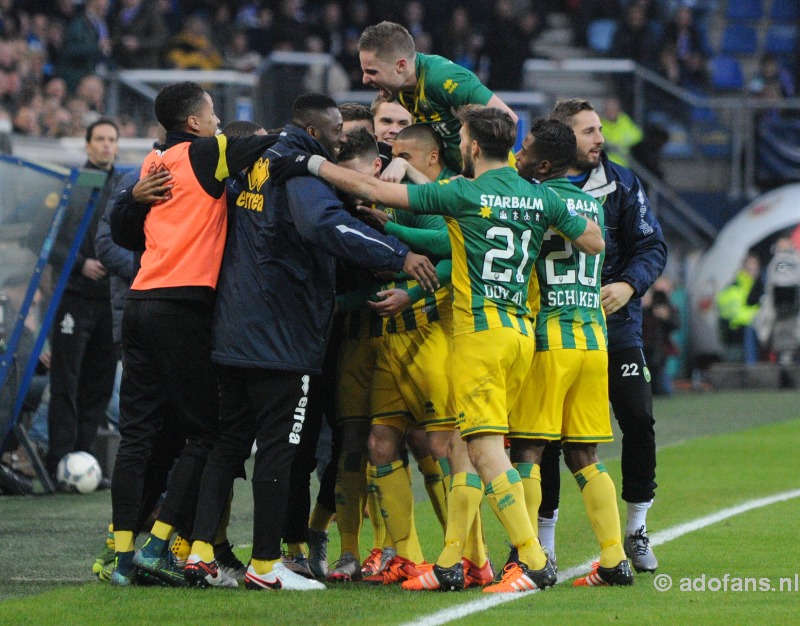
(448, 301)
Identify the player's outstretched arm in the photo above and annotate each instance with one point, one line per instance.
(356, 184)
(497, 103)
(361, 185)
(591, 240)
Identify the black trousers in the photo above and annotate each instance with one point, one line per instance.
(321, 406)
(167, 376)
(270, 407)
(632, 400)
(82, 369)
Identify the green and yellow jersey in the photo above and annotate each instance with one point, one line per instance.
(442, 87)
(426, 307)
(424, 234)
(496, 225)
(565, 288)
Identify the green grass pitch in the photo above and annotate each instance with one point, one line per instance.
(715, 451)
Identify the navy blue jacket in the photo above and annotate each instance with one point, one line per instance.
(120, 263)
(635, 249)
(275, 295)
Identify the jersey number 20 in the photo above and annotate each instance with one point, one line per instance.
(564, 251)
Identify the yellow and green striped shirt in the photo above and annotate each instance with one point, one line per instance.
(564, 294)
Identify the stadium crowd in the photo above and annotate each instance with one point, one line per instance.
(52, 54)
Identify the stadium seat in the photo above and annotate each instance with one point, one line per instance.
(661, 118)
(781, 39)
(739, 39)
(600, 34)
(679, 146)
(784, 10)
(703, 115)
(711, 140)
(726, 73)
(744, 10)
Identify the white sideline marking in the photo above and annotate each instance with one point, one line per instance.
(656, 539)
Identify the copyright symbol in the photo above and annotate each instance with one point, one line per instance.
(662, 582)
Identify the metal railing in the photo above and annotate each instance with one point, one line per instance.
(228, 85)
(736, 114)
(674, 211)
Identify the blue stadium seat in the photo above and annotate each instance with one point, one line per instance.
(784, 10)
(726, 73)
(600, 34)
(781, 39)
(739, 39)
(744, 10)
(656, 29)
(679, 145)
(703, 115)
(711, 140)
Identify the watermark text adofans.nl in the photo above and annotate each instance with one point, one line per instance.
(728, 582)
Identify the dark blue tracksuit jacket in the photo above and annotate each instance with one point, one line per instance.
(275, 295)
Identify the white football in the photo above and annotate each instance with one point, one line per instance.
(79, 471)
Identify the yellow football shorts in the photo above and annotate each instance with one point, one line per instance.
(564, 397)
(356, 366)
(487, 370)
(410, 382)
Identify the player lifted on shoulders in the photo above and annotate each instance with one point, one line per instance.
(430, 87)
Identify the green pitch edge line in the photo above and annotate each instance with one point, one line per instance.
(656, 539)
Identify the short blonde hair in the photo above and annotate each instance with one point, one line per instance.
(388, 40)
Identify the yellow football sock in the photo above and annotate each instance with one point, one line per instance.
(320, 518)
(110, 537)
(466, 493)
(262, 567)
(475, 546)
(531, 477)
(123, 540)
(444, 468)
(397, 507)
(351, 489)
(447, 479)
(507, 498)
(181, 548)
(435, 487)
(379, 538)
(162, 531)
(224, 521)
(296, 549)
(204, 550)
(600, 500)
